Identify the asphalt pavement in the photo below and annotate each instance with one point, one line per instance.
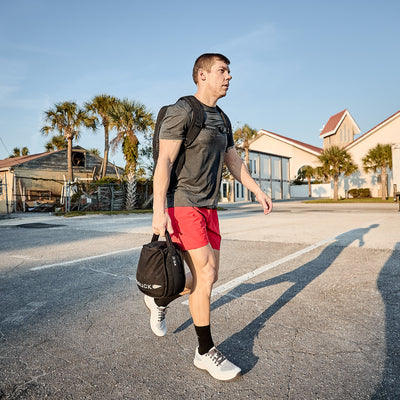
(307, 304)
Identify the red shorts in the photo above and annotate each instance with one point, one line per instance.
(195, 227)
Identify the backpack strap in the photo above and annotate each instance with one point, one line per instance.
(226, 120)
(197, 121)
(196, 124)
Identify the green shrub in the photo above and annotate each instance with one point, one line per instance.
(359, 193)
(364, 193)
(106, 180)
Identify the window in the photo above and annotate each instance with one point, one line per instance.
(276, 168)
(224, 190)
(1, 187)
(253, 166)
(264, 166)
(78, 159)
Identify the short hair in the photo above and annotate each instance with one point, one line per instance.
(205, 61)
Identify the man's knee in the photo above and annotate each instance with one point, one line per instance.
(208, 275)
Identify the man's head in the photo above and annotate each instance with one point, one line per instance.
(205, 62)
(212, 75)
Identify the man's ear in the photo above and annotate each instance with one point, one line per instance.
(202, 74)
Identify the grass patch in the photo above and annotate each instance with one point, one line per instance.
(366, 200)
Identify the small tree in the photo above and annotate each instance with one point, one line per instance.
(379, 159)
(336, 161)
(95, 151)
(308, 173)
(57, 142)
(242, 137)
(17, 152)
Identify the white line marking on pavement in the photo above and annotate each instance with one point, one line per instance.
(237, 281)
(84, 259)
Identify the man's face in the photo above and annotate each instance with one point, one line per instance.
(217, 79)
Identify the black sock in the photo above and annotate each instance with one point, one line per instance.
(164, 301)
(205, 340)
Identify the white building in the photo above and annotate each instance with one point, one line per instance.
(275, 159)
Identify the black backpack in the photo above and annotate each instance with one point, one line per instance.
(194, 129)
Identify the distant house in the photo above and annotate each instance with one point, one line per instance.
(41, 177)
(275, 160)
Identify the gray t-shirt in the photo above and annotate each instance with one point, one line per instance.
(198, 183)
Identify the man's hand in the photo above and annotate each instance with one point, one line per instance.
(265, 201)
(161, 222)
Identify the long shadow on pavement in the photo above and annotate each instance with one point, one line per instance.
(389, 286)
(243, 341)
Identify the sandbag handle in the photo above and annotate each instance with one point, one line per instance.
(167, 237)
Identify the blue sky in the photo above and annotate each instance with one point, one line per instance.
(294, 63)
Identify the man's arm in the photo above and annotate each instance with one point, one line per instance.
(168, 152)
(240, 172)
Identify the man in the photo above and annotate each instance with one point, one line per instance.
(187, 209)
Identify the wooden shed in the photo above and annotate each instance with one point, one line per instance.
(40, 178)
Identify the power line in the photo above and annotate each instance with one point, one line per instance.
(4, 145)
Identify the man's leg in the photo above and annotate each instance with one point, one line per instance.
(204, 264)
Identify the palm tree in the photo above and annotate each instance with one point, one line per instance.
(336, 161)
(67, 119)
(57, 142)
(242, 137)
(377, 159)
(129, 119)
(101, 106)
(307, 172)
(95, 151)
(17, 152)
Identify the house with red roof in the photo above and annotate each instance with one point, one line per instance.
(275, 160)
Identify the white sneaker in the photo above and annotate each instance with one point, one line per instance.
(157, 316)
(217, 365)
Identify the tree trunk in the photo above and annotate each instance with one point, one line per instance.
(247, 161)
(335, 188)
(106, 147)
(69, 161)
(232, 185)
(384, 183)
(131, 192)
(309, 187)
